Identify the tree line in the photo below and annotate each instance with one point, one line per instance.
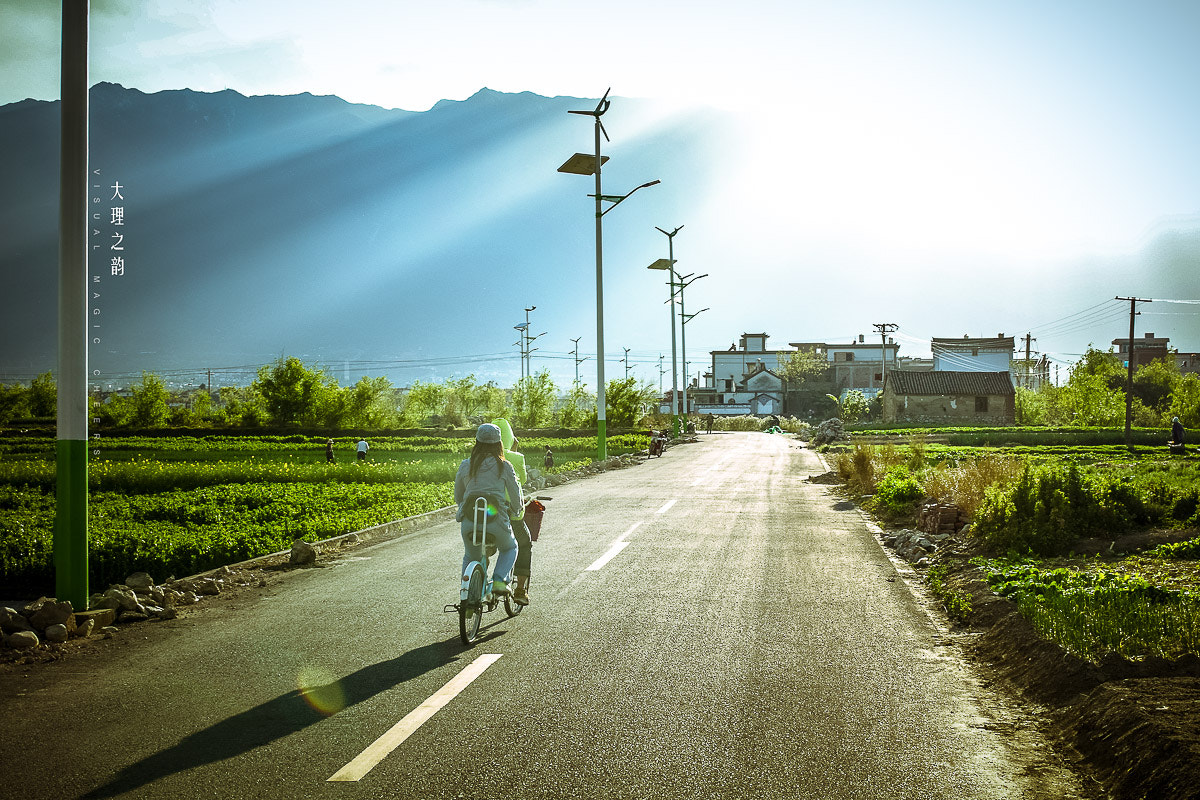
(291, 393)
(1094, 395)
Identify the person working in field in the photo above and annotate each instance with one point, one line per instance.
(1176, 443)
(486, 472)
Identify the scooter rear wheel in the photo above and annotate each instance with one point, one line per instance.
(470, 611)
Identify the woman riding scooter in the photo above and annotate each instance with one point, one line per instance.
(488, 473)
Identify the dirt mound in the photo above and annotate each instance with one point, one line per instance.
(1132, 542)
(1141, 735)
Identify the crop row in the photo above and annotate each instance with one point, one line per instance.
(186, 532)
(21, 445)
(1093, 613)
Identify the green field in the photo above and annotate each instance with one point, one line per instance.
(182, 505)
(1031, 502)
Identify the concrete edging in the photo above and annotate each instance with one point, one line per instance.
(395, 526)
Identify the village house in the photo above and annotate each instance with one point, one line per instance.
(742, 380)
(973, 354)
(747, 378)
(1148, 348)
(949, 397)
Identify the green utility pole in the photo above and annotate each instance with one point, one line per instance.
(70, 522)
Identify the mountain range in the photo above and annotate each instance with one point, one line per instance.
(367, 240)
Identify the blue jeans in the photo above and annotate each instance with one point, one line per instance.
(506, 548)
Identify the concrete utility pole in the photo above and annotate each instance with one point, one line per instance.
(1133, 301)
(71, 514)
(884, 329)
(661, 371)
(1028, 371)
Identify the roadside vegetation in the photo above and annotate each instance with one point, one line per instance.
(1046, 520)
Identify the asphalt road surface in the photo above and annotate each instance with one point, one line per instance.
(705, 625)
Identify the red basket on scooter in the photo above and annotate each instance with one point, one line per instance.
(533, 518)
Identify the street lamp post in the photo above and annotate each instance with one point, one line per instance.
(520, 329)
(584, 164)
(668, 264)
(578, 360)
(684, 319)
(525, 336)
(684, 282)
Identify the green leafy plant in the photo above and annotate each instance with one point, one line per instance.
(956, 601)
(899, 490)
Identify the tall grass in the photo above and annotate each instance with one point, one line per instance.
(965, 483)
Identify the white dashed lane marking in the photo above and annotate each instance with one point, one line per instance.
(381, 747)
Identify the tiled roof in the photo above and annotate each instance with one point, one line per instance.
(901, 381)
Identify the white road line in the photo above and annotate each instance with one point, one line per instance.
(599, 563)
(667, 506)
(632, 528)
(700, 480)
(385, 744)
(617, 547)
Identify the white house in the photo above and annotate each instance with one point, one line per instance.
(973, 355)
(743, 380)
(857, 364)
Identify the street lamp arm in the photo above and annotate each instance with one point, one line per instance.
(617, 199)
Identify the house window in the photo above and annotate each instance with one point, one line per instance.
(728, 385)
(981, 405)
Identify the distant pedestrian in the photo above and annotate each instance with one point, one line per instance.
(329, 451)
(708, 422)
(548, 460)
(1176, 443)
(362, 448)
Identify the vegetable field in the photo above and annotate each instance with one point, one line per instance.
(182, 505)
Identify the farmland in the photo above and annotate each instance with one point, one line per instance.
(1048, 510)
(181, 505)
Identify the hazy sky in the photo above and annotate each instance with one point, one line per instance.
(1050, 144)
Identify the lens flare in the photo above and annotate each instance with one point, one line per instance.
(321, 690)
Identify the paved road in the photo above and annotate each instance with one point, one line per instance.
(706, 625)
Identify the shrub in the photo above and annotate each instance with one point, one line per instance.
(898, 490)
(1049, 509)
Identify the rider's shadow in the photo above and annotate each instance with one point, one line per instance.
(275, 719)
